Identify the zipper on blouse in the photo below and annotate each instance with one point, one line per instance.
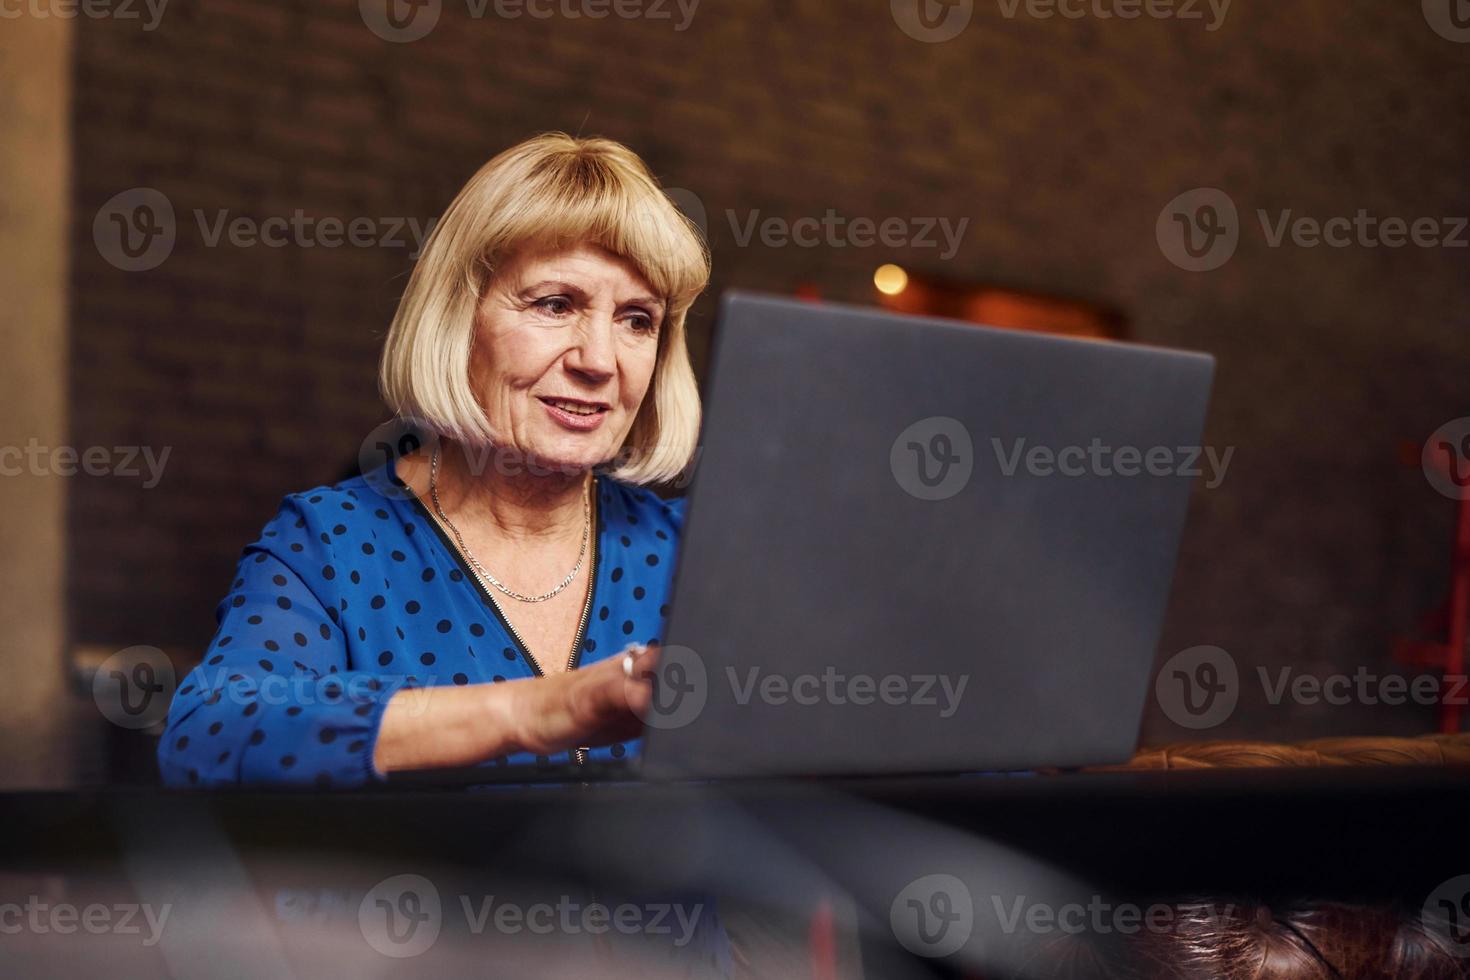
(579, 754)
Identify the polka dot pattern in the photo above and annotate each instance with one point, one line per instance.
(348, 597)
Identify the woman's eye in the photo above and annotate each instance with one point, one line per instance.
(558, 305)
(642, 323)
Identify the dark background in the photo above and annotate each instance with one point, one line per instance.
(1061, 140)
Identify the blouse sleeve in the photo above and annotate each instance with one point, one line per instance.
(273, 700)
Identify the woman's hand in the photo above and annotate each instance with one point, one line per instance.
(437, 727)
(595, 705)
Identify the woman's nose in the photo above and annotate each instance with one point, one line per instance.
(593, 355)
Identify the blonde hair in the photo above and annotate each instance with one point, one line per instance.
(552, 190)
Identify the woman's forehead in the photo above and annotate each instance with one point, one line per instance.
(586, 264)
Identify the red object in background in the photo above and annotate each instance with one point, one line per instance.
(998, 306)
(1452, 617)
(822, 942)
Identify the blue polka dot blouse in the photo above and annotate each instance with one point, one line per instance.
(353, 592)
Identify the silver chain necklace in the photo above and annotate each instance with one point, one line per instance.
(481, 569)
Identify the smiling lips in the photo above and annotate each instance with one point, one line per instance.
(575, 414)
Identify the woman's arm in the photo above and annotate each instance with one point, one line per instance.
(276, 701)
(435, 727)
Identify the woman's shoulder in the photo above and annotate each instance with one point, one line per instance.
(311, 520)
(639, 511)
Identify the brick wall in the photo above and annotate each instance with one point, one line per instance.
(1061, 140)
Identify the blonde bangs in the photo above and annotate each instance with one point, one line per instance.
(611, 200)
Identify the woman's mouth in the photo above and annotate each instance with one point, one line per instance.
(575, 414)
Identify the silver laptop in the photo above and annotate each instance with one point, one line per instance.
(915, 545)
(918, 545)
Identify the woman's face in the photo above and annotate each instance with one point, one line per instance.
(565, 347)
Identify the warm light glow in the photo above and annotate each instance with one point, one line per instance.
(890, 280)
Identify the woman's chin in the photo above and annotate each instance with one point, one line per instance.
(568, 460)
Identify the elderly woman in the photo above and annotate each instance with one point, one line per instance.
(487, 598)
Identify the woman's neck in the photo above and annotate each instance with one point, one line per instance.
(483, 486)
